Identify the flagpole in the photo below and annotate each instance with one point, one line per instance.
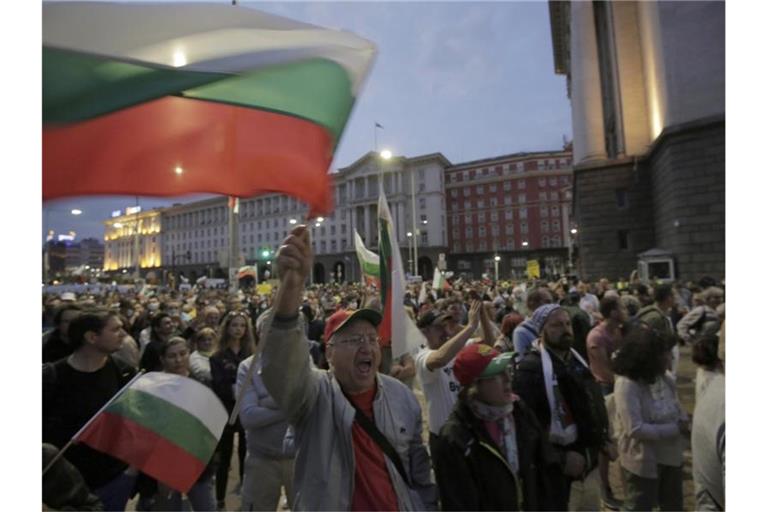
(88, 423)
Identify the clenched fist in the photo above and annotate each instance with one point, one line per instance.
(294, 262)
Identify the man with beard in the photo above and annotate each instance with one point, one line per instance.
(555, 381)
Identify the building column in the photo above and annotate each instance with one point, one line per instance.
(586, 97)
(367, 226)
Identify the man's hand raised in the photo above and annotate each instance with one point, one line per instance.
(294, 261)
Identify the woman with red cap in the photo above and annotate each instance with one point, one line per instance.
(491, 453)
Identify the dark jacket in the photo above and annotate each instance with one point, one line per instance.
(580, 392)
(224, 365)
(472, 472)
(55, 348)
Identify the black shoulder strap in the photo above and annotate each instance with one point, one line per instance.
(370, 428)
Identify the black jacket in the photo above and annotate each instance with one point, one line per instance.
(580, 392)
(55, 348)
(472, 473)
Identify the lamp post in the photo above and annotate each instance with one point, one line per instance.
(574, 231)
(410, 251)
(496, 260)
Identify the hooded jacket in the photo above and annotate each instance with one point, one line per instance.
(473, 474)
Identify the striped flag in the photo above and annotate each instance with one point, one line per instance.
(369, 263)
(438, 281)
(169, 99)
(396, 328)
(165, 425)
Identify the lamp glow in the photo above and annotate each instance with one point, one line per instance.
(386, 154)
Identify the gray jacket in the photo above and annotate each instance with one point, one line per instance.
(264, 423)
(322, 419)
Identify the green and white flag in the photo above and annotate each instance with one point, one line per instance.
(369, 263)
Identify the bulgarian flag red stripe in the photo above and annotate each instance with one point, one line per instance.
(166, 425)
(396, 328)
(141, 448)
(169, 99)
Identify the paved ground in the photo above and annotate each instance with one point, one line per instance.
(686, 383)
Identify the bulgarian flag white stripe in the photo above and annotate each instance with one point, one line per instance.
(369, 262)
(396, 326)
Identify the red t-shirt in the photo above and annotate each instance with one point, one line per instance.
(373, 487)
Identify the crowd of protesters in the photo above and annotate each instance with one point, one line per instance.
(532, 390)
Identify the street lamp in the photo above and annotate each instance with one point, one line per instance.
(525, 244)
(574, 231)
(178, 170)
(386, 154)
(75, 211)
(496, 260)
(292, 221)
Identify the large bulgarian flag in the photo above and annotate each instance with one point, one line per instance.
(396, 328)
(166, 425)
(173, 98)
(369, 263)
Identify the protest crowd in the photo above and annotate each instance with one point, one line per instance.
(522, 396)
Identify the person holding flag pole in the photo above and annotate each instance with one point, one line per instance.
(358, 432)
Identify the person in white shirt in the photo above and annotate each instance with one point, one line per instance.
(200, 359)
(434, 364)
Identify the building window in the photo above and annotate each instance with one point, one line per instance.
(542, 182)
(480, 189)
(553, 196)
(455, 219)
(523, 213)
(492, 187)
(508, 215)
(545, 225)
(422, 203)
(521, 198)
(481, 217)
(563, 180)
(422, 187)
(481, 203)
(333, 245)
(455, 234)
(621, 198)
(494, 202)
(520, 166)
(555, 211)
(495, 230)
(494, 216)
(466, 175)
(520, 184)
(545, 241)
(553, 181)
(524, 228)
(541, 164)
(556, 242)
(542, 196)
(322, 246)
(466, 192)
(467, 218)
(481, 246)
(507, 186)
(623, 239)
(544, 211)
(468, 233)
(467, 204)
(509, 229)
(454, 193)
(507, 201)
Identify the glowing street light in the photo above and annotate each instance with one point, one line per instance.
(292, 221)
(118, 225)
(320, 219)
(525, 244)
(496, 260)
(409, 234)
(179, 170)
(386, 154)
(76, 212)
(574, 231)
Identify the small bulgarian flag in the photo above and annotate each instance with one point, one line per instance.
(162, 99)
(165, 425)
(369, 263)
(396, 328)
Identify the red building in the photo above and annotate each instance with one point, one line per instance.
(517, 207)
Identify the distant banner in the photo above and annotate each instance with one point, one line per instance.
(533, 269)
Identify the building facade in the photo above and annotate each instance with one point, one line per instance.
(133, 237)
(516, 207)
(646, 82)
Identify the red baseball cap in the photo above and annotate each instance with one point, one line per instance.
(342, 317)
(479, 361)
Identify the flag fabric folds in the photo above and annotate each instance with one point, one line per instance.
(169, 99)
(397, 328)
(369, 263)
(165, 425)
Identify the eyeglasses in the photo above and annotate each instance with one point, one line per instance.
(359, 341)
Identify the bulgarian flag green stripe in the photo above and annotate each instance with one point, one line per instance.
(369, 261)
(165, 425)
(79, 86)
(278, 96)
